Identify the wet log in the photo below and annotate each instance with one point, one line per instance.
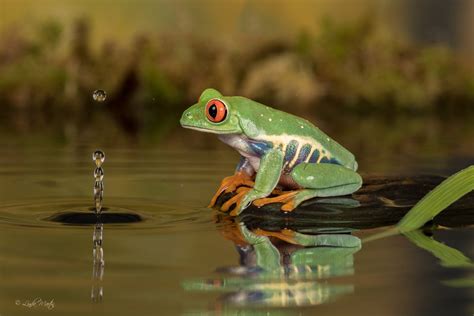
(382, 201)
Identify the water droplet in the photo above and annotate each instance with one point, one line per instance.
(98, 156)
(98, 196)
(99, 174)
(98, 203)
(99, 95)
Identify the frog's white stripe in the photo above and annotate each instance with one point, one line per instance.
(297, 153)
(319, 159)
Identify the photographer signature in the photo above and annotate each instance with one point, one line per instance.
(36, 302)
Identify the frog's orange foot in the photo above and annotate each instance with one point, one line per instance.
(232, 233)
(289, 206)
(287, 198)
(236, 199)
(230, 184)
(285, 235)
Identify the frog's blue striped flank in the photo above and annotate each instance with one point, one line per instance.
(314, 157)
(304, 152)
(325, 160)
(260, 147)
(290, 153)
(332, 161)
(241, 163)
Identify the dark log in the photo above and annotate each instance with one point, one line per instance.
(382, 201)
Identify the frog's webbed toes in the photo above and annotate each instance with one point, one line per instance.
(286, 198)
(285, 235)
(300, 197)
(230, 184)
(237, 200)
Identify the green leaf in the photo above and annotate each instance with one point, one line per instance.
(448, 192)
(448, 256)
(463, 282)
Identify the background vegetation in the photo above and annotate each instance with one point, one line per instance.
(350, 71)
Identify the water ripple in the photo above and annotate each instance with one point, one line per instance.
(148, 214)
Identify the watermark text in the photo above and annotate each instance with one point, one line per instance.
(37, 302)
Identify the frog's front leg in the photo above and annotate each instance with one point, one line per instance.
(269, 171)
(242, 176)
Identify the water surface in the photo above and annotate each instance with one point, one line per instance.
(182, 258)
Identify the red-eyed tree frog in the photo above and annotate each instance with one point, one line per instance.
(278, 151)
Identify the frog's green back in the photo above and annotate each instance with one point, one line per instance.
(259, 121)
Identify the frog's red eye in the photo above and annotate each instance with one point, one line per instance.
(216, 111)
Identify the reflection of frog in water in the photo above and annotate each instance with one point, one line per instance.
(282, 267)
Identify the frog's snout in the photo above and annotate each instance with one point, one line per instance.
(186, 118)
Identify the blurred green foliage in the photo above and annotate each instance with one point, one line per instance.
(367, 69)
(47, 76)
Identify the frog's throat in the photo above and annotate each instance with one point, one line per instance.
(212, 131)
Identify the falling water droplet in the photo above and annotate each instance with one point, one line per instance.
(98, 156)
(99, 95)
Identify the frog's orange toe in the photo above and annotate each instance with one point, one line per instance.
(236, 199)
(289, 206)
(283, 197)
(285, 235)
(230, 184)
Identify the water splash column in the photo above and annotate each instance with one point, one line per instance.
(98, 157)
(97, 251)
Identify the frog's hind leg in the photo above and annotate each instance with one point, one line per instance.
(321, 180)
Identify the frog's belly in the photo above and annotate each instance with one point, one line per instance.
(254, 160)
(286, 181)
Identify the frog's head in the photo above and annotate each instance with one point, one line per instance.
(213, 114)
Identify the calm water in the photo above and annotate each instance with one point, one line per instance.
(184, 259)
